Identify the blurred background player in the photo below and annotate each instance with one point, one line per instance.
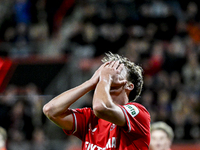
(3, 138)
(161, 136)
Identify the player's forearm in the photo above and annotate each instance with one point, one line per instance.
(62, 102)
(102, 99)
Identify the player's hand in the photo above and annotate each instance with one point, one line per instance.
(95, 78)
(115, 72)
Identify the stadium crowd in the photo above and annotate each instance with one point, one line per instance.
(163, 36)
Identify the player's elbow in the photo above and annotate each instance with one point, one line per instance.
(99, 110)
(47, 110)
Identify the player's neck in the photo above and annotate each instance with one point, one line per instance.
(121, 99)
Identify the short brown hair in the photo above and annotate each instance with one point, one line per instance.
(134, 72)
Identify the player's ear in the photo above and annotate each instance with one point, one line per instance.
(129, 86)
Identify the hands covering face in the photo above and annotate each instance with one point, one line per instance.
(115, 72)
(112, 72)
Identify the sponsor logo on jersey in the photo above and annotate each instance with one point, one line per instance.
(110, 144)
(132, 109)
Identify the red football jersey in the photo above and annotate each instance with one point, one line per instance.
(98, 134)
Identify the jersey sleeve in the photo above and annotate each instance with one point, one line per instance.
(80, 122)
(137, 119)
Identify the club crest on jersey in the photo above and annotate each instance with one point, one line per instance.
(90, 128)
(132, 109)
(112, 126)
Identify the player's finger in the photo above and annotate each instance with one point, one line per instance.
(116, 64)
(107, 63)
(120, 67)
(122, 82)
(103, 65)
(111, 63)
